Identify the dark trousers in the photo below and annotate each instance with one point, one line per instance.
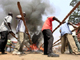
(3, 40)
(48, 41)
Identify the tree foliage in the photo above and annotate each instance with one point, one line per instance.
(75, 16)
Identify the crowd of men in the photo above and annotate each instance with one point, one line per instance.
(68, 38)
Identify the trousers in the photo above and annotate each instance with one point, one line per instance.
(48, 41)
(3, 40)
(68, 38)
(19, 44)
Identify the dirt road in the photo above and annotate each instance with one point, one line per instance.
(40, 56)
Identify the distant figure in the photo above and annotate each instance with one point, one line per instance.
(20, 30)
(8, 45)
(4, 29)
(48, 37)
(66, 37)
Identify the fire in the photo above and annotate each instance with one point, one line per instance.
(35, 48)
(41, 48)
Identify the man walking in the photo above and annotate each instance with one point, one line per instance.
(48, 37)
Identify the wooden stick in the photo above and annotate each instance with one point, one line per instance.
(13, 35)
(56, 41)
(20, 9)
(57, 44)
(9, 46)
(67, 15)
(41, 46)
(53, 43)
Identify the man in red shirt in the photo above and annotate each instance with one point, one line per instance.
(48, 37)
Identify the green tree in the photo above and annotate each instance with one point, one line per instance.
(75, 16)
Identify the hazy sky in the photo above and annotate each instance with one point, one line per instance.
(62, 8)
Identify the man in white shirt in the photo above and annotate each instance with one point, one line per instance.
(20, 30)
(75, 38)
(4, 29)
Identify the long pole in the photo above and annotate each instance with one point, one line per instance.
(20, 9)
(57, 44)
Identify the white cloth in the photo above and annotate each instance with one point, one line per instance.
(3, 27)
(20, 26)
(72, 28)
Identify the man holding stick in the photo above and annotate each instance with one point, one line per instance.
(48, 37)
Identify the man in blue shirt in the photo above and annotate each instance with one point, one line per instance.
(66, 36)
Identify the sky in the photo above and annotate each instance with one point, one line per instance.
(62, 8)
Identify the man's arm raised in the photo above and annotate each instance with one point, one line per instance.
(54, 18)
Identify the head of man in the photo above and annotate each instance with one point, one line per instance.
(10, 14)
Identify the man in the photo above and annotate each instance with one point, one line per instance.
(8, 45)
(67, 37)
(4, 29)
(74, 36)
(48, 37)
(20, 30)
